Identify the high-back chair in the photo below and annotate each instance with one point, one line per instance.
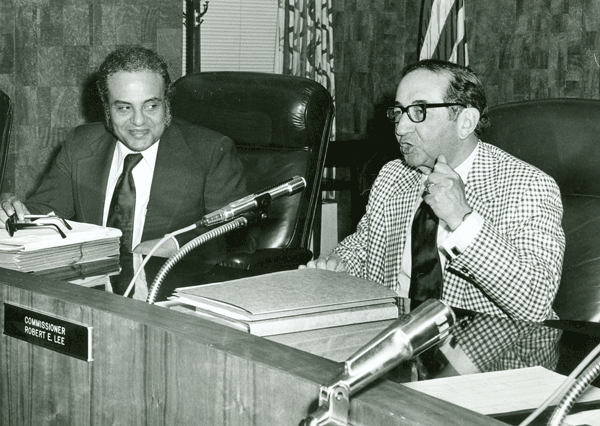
(562, 138)
(281, 127)
(5, 127)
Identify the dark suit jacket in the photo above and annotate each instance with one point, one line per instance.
(196, 172)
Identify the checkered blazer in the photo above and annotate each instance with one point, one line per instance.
(497, 344)
(513, 266)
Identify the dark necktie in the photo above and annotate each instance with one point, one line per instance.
(426, 280)
(426, 273)
(120, 216)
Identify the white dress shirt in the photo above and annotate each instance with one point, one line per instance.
(142, 177)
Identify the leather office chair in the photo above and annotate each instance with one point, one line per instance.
(281, 127)
(562, 137)
(5, 127)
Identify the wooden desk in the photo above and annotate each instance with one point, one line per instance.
(154, 366)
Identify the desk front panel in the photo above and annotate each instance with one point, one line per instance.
(153, 366)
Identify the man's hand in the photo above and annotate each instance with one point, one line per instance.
(9, 205)
(331, 263)
(447, 194)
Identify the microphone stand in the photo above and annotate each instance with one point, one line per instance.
(405, 338)
(264, 201)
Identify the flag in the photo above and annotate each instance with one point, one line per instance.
(442, 33)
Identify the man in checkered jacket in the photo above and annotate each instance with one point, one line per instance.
(500, 239)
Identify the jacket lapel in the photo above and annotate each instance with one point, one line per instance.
(397, 219)
(94, 169)
(169, 183)
(402, 194)
(480, 187)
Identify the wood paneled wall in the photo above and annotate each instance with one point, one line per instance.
(522, 49)
(49, 50)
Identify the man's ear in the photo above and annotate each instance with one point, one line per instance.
(467, 122)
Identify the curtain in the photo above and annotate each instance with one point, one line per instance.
(442, 33)
(305, 41)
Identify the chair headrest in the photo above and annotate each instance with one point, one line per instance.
(255, 108)
(560, 136)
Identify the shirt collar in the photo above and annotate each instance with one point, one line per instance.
(465, 167)
(149, 155)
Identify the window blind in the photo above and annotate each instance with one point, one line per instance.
(239, 35)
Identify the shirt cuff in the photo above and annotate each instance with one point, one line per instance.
(458, 241)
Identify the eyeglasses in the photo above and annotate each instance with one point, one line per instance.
(12, 224)
(417, 113)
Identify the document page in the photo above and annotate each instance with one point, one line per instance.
(499, 392)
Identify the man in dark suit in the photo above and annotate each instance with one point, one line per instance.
(185, 171)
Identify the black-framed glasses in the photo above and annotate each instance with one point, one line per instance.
(12, 224)
(417, 112)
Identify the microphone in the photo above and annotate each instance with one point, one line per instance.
(405, 338)
(253, 201)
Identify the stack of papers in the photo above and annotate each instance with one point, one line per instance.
(82, 273)
(41, 249)
(289, 301)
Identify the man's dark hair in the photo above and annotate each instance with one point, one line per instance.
(132, 59)
(464, 88)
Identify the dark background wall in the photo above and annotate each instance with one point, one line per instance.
(522, 49)
(49, 50)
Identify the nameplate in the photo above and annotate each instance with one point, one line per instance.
(57, 334)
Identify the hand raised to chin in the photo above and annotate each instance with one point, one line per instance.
(447, 194)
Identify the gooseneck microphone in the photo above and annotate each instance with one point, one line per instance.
(253, 201)
(405, 338)
(233, 214)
